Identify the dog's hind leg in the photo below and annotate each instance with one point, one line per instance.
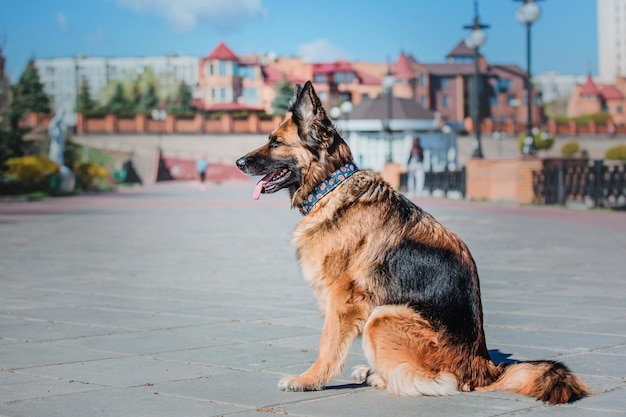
(402, 350)
(343, 323)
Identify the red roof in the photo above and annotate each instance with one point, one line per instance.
(402, 68)
(368, 79)
(223, 52)
(589, 88)
(609, 92)
(461, 49)
(326, 68)
(274, 75)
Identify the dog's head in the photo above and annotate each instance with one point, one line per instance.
(301, 152)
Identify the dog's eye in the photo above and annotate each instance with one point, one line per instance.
(275, 143)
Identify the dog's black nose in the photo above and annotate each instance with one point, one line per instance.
(241, 162)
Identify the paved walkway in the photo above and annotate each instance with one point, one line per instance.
(172, 300)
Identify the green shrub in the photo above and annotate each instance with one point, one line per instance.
(570, 148)
(617, 152)
(541, 140)
(34, 173)
(601, 117)
(90, 176)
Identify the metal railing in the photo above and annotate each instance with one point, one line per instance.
(597, 184)
(442, 181)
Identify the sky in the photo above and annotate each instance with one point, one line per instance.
(564, 39)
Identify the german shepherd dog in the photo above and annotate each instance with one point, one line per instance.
(382, 267)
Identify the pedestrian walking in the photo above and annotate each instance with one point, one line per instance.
(416, 175)
(201, 166)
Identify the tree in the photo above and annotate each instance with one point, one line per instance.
(183, 103)
(149, 99)
(84, 103)
(28, 92)
(284, 94)
(118, 104)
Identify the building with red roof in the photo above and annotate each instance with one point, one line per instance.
(250, 83)
(590, 98)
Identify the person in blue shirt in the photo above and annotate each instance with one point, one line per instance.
(201, 166)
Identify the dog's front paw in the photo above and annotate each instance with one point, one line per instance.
(360, 373)
(299, 383)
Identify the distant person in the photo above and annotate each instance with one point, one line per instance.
(415, 183)
(201, 166)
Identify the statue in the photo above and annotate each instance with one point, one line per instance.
(56, 131)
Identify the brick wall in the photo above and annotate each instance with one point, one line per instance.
(502, 179)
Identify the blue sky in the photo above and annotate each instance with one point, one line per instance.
(564, 38)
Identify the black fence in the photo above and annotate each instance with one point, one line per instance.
(594, 183)
(443, 181)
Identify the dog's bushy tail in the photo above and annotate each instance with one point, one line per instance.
(548, 381)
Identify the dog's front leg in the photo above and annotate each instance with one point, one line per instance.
(343, 323)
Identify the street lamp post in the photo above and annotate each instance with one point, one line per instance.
(527, 14)
(474, 41)
(388, 82)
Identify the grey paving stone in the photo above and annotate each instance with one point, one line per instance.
(125, 372)
(131, 402)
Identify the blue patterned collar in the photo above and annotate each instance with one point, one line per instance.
(327, 186)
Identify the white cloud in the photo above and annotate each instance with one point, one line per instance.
(224, 15)
(62, 21)
(320, 50)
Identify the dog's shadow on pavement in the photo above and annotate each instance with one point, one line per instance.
(499, 357)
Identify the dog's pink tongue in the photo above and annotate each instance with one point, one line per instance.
(258, 189)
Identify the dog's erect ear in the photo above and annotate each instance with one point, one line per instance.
(296, 92)
(308, 111)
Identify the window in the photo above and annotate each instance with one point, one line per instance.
(422, 101)
(512, 101)
(223, 68)
(247, 72)
(222, 94)
(343, 77)
(503, 85)
(444, 100)
(422, 80)
(493, 100)
(320, 79)
(618, 109)
(444, 82)
(250, 96)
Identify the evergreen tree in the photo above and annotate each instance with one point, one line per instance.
(84, 103)
(29, 95)
(183, 102)
(284, 94)
(118, 104)
(149, 99)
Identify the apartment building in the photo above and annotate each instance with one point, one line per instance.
(62, 77)
(611, 39)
